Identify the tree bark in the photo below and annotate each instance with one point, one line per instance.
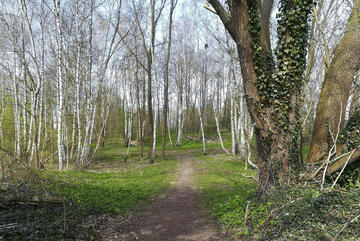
(166, 79)
(202, 132)
(60, 83)
(336, 87)
(275, 141)
(219, 134)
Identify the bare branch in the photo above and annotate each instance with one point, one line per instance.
(342, 170)
(208, 7)
(224, 16)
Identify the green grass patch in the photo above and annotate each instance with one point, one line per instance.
(116, 192)
(225, 188)
(298, 212)
(81, 201)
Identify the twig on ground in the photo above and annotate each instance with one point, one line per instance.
(249, 177)
(9, 225)
(333, 148)
(345, 226)
(246, 213)
(32, 202)
(347, 161)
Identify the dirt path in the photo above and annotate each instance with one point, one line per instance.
(176, 217)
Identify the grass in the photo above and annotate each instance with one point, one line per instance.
(116, 192)
(297, 212)
(111, 188)
(225, 189)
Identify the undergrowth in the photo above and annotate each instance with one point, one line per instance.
(226, 187)
(77, 197)
(292, 213)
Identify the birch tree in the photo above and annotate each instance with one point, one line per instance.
(173, 4)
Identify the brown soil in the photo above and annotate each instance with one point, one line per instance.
(176, 217)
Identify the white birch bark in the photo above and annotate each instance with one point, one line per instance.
(249, 136)
(92, 105)
(169, 130)
(40, 114)
(219, 134)
(143, 127)
(42, 74)
(45, 130)
(180, 121)
(89, 106)
(236, 127)
(3, 105)
(232, 123)
(15, 93)
(25, 118)
(129, 133)
(154, 134)
(60, 85)
(104, 122)
(202, 132)
(241, 127)
(77, 83)
(125, 126)
(73, 133)
(66, 146)
(32, 111)
(88, 138)
(34, 85)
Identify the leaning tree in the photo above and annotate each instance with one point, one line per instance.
(272, 79)
(335, 92)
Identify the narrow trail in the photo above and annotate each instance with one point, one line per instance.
(176, 217)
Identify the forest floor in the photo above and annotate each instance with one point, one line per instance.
(177, 215)
(187, 196)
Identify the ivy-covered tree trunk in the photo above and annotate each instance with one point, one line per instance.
(272, 88)
(335, 90)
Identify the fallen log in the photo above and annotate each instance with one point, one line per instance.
(338, 165)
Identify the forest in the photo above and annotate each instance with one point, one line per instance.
(179, 120)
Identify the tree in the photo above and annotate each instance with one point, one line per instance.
(166, 77)
(60, 83)
(149, 49)
(336, 87)
(272, 86)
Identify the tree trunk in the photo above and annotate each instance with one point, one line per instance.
(271, 91)
(202, 132)
(129, 134)
(169, 130)
(15, 92)
(336, 87)
(232, 123)
(241, 127)
(166, 79)
(180, 117)
(60, 84)
(153, 153)
(219, 134)
(150, 111)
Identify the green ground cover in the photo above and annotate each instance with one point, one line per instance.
(226, 187)
(111, 187)
(299, 212)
